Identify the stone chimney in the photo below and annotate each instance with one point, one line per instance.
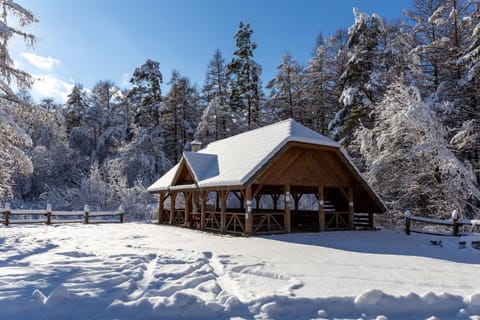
(195, 146)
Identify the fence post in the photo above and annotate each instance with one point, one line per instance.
(86, 210)
(455, 218)
(7, 213)
(120, 210)
(49, 214)
(408, 214)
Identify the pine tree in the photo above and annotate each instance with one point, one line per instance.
(244, 72)
(146, 93)
(216, 81)
(180, 115)
(362, 81)
(466, 141)
(285, 94)
(321, 80)
(217, 119)
(75, 107)
(439, 34)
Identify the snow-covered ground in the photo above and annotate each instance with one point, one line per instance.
(146, 271)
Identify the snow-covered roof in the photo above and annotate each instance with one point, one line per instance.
(233, 161)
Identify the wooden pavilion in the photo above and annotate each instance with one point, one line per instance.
(280, 178)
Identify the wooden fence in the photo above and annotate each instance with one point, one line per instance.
(48, 216)
(454, 224)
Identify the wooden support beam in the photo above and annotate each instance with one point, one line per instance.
(188, 205)
(203, 206)
(240, 196)
(286, 215)
(350, 209)
(344, 192)
(248, 214)
(161, 200)
(257, 190)
(223, 215)
(258, 197)
(296, 198)
(275, 197)
(236, 194)
(173, 197)
(321, 210)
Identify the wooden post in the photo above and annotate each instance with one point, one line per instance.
(242, 201)
(321, 209)
(49, 214)
(86, 210)
(408, 214)
(350, 209)
(188, 204)
(455, 218)
(296, 200)
(248, 213)
(287, 217)
(173, 197)
(223, 215)
(161, 200)
(120, 212)
(258, 197)
(370, 220)
(7, 213)
(203, 206)
(275, 199)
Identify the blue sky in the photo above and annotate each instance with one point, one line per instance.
(90, 40)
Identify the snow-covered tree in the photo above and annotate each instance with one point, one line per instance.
(285, 90)
(409, 161)
(216, 122)
(244, 73)
(217, 119)
(13, 138)
(147, 94)
(216, 81)
(361, 77)
(320, 82)
(180, 115)
(143, 159)
(75, 107)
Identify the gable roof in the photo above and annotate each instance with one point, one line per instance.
(233, 161)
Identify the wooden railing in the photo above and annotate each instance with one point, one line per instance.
(179, 216)
(212, 220)
(48, 216)
(337, 220)
(454, 224)
(268, 222)
(235, 222)
(363, 220)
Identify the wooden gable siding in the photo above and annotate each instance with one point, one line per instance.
(184, 175)
(301, 165)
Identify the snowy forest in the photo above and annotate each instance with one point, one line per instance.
(402, 97)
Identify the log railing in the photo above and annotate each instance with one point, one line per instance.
(179, 217)
(268, 222)
(212, 220)
(235, 222)
(454, 224)
(48, 216)
(337, 220)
